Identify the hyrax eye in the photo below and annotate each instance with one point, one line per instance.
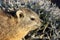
(32, 19)
(21, 15)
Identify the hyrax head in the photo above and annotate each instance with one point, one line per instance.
(28, 18)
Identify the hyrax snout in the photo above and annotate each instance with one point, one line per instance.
(12, 28)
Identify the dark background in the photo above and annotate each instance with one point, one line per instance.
(57, 2)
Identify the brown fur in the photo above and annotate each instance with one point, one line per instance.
(12, 28)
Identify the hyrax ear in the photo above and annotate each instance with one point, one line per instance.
(20, 14)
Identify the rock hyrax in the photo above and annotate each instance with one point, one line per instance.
(15, 28)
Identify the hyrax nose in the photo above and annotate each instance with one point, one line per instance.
(39, 22)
